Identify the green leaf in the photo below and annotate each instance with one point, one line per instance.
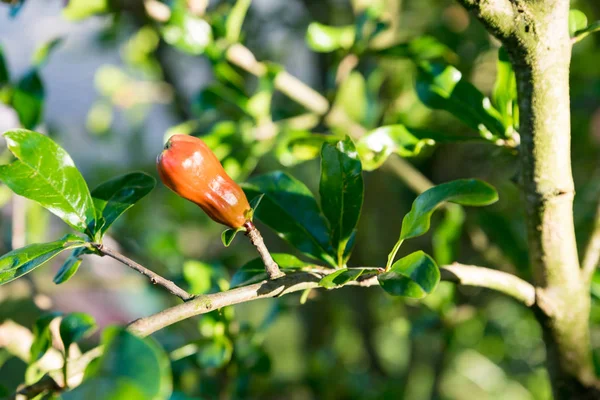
(69, 267)
(216, 353)
(42, 338)
(28, 99)
(75, 327)
(341, 189)
(583, 33)
(46, 174)
(229, 234)
(187, 32)
(415, 276)
(505, 90)
(446, 237)
(577, 21)
(295, 147)
(351, 97)
(443, 87)
(76, 10)
(41, 54)
(325, 39)
(205, 278)
(423, 48)
(17, 263)
(290, 209)
(340, 277)
(129, 366)
(467, 192)
(114, 197)
(254, 271)
(235, 19)
(4, 75)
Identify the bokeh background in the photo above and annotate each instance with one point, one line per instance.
(114, 88)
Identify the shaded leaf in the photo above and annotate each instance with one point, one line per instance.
(229, 234)
(69, 267)
(17, 263)
(75, 327)
(216, 353)
(42, 337)
(325, 39)
(583, 33)
(114, 197)
(341, 188)
(28, 99)
(290, 209)
(446, 237)
(419, 49)
(340, 277)
(415, 276)
(254, 271)
(4, 75)
(45, 173)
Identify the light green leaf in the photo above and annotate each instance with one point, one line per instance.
(351, 97)
(28, 99)
(325, 39)
(186, 31)
(340, 277)
(42, 338)
(45, 173)
(341, 189)
(290, 209)
(205, 278)
(76, 10)
(505, 91)
(114, 197)
(577, 21)
(583, 33)
(446, 237)
(17, 263)
(235, 19)
(41, 54)
(415, 276)
(70, 266)
(229, 234)
(254, 271)
(296, 146)
(423, 48)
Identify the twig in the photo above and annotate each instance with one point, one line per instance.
(270, 265)
(154, 277)
(591, 256)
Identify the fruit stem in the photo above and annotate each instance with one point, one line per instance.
(256, 239)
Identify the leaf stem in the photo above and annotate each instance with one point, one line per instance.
(256, 239)
(392, 254)
(154, 277)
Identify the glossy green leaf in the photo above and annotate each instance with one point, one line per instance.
(505, 91)
(235, 19)
(41, 54)
(423, 48)
(215, 353)
(76, 326)
(443, 87)
(340, 277)
(69, 267)
(186, 31)
(77, 10)
(45, 173)
(4, 75)
(583, 33)
(577, 21)
(290, 209)
(415, 276)
(254, 271)
(446, 237)
(342, 190)
(28, 99)
(467, 192)
(205, 278)
(140, 364)
(42, 337)
(325, 39)
(17, 263)
(229, 234)
(114, 197)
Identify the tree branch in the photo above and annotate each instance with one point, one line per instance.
(154, 277)
(591, 256)
(498, 16)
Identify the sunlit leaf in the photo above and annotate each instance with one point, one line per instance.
(205, 278)
(17, 263)
(505, 90)
(77, 10)
(415, 276)
(577, 21)
(235, 19)
(325, 39)
(340, 277)
(186, 31)
(341, 189)
(254, 271)
(45, 173)
(294, 147)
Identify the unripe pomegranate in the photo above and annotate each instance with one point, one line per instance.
(189, 168)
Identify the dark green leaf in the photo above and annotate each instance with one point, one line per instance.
(43, 52)
(46, 173)
(228, 235)
(28, 99)
(443, 87)
(505, 90)
(591, 28)
(42, 338)
(468, 192)
(4, 75)
(113, 198)
(75, 327)
(415, 276)
(77, 10)
(340, 277)
(290, 209)
(254, 271)
(341, 189)
(139, 364)
(423, 48)
(325, 39)
(17, 263)
(70, 266)
(577, 21)
(447, 235)
(215, 353)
